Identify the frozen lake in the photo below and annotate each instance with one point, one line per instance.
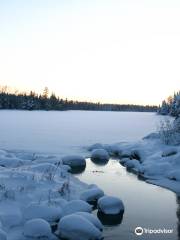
(67, 131)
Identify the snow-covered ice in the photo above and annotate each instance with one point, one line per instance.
(66, 132)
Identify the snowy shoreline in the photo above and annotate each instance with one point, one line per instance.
(40, 198)
(36, 186)
(150, 159)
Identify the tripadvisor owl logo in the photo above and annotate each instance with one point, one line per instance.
(138, 231)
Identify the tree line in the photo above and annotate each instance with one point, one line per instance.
(171, 106)
(46, 101)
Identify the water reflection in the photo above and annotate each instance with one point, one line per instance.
(110, 220)
(146, 205)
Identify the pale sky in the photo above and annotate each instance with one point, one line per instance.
(118, 51)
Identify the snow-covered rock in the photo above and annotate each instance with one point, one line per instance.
(135, 154)
(58, 202)
(37, 228)
(132, 164)
(169, 152)
(90, 186)
(92, 194)
(152, 136)
(76, 227)
(124, 160)
(76, 206)
(3, 235)
(10, 214)
(10, 162)
(66, 168)
(125, 154)
(44, 167)
(100, 154)
(74, 161)
(45, 212)
(114, 149)
(110, 205)
(90, 217)
(174, 175)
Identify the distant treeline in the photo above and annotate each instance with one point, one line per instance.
(171, 106)
(44, 101)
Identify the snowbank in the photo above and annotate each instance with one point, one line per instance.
(33, 188)
(10, 162)
(154, 161)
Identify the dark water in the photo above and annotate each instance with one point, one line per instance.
(146, 205)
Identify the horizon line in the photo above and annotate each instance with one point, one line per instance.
(16, 91)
